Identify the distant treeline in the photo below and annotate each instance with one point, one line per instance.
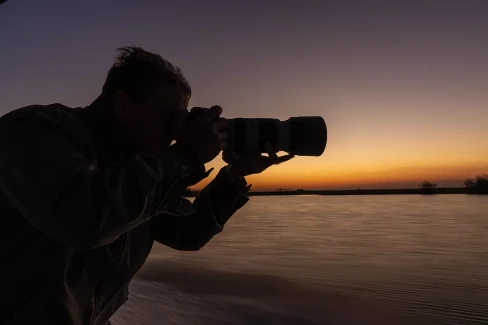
(458, 190)
(477, 185)
(455, 190)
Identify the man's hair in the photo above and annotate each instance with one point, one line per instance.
(139, 73)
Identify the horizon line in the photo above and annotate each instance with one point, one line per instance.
(347, 190)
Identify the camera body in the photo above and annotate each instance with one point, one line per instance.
(300, 136)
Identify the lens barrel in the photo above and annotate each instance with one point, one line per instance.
(301, 136)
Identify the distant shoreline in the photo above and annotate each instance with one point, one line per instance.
(405, 191)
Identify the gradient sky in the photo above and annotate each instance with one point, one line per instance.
(402, 85)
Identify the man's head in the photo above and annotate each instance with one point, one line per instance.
(146, 94)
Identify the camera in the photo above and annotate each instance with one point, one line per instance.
(300, 136)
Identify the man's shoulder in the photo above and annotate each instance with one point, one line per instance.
(48, 116)
(56, 113)
(53, 119)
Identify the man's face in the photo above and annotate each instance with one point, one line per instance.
(151, 126)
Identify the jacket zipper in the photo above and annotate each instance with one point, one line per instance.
(93, 301)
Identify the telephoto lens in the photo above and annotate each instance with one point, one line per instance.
(299, 136)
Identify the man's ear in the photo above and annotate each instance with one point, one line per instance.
(121, 103)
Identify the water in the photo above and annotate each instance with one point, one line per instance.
(326, 260)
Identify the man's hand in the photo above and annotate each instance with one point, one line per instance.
(251, 163)
(203, 134)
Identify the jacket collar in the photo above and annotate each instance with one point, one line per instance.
(111, 141)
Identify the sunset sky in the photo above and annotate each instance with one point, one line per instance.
(402, 85)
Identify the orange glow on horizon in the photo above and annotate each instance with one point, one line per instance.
(310, 175)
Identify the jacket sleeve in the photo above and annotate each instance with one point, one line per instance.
(187, 226)
(46, 177)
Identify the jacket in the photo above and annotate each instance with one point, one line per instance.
(79, 213)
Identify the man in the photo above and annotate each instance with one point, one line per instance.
(85, 192)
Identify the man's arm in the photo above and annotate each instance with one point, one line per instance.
(193, 225)
(48, 180)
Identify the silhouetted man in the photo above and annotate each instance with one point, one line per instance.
(84, 192)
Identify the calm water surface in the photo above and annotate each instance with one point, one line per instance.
(326, 260)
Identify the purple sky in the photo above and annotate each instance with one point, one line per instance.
(403, 85)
